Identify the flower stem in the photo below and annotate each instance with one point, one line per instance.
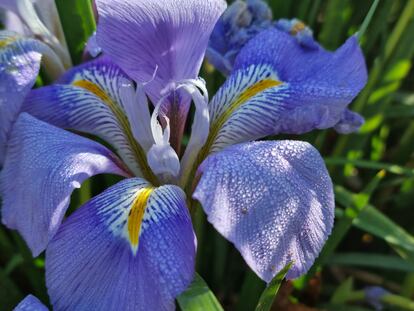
(367, 20)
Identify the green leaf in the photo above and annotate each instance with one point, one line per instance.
(250, 292)
(341, 294)
(378, 224)
(367, 19)
(343, 307)
(355, 204)
(198, 297)
(373, 221)
(14, 262)
(10, 294)
(78, 24)
(392, 168)
(379, 261)
(269, 294)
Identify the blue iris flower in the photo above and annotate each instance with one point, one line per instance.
(133, 246)
(37, 19)
(30, 303)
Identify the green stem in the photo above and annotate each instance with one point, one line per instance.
(250, 292)
(314, 12)
(85, 192)
(78, 23)
(398, 301)
(389, 299)
(367, 20)
(406, 16)
(391, 168)
(408, 286)
(199, 224)
(355, 296)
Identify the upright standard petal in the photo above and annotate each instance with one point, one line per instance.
(169, 37)
(91, 100)
(130, 248)
(273, 200)
(281, 86)
(30, 303)
(43, 166)
(159, 43)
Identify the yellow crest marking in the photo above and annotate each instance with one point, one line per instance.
(4, 43)
(140, 155)
(298, 27)
(240, 100)
(136, 216)
(96, 90)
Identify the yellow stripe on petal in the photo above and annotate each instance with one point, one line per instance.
(139, 152)
(245, 96)
(136, 215)
(7, 41)
(96, 90)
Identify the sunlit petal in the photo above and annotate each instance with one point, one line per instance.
(130, 248)
(44, 164)
(273, 200)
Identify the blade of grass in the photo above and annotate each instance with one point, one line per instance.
(376, 223)
(337, 14)
(357, 204)
(270, 292)
(250, 293)
(343, 291)
(10, 293)
(34, 275)
(378, 261)
(78, 24)
(313, 13)
(367, 20)
(408, 286)
(386, 60)
(198, 297)
(219, 262)
(391, 168)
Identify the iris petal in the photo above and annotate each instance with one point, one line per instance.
(172, 36)
(30, 303)
(166, 37)
(273, 200)
(45, 25)
(279, 86)
(92, 263)
(242, 21)
(94, 102)
(43, 166)
(19, 66)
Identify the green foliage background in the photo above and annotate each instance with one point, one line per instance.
(373, 173)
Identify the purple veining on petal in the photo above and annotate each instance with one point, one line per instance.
(273, 200)
(44, 164)
(90, 265)
(282, 87)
